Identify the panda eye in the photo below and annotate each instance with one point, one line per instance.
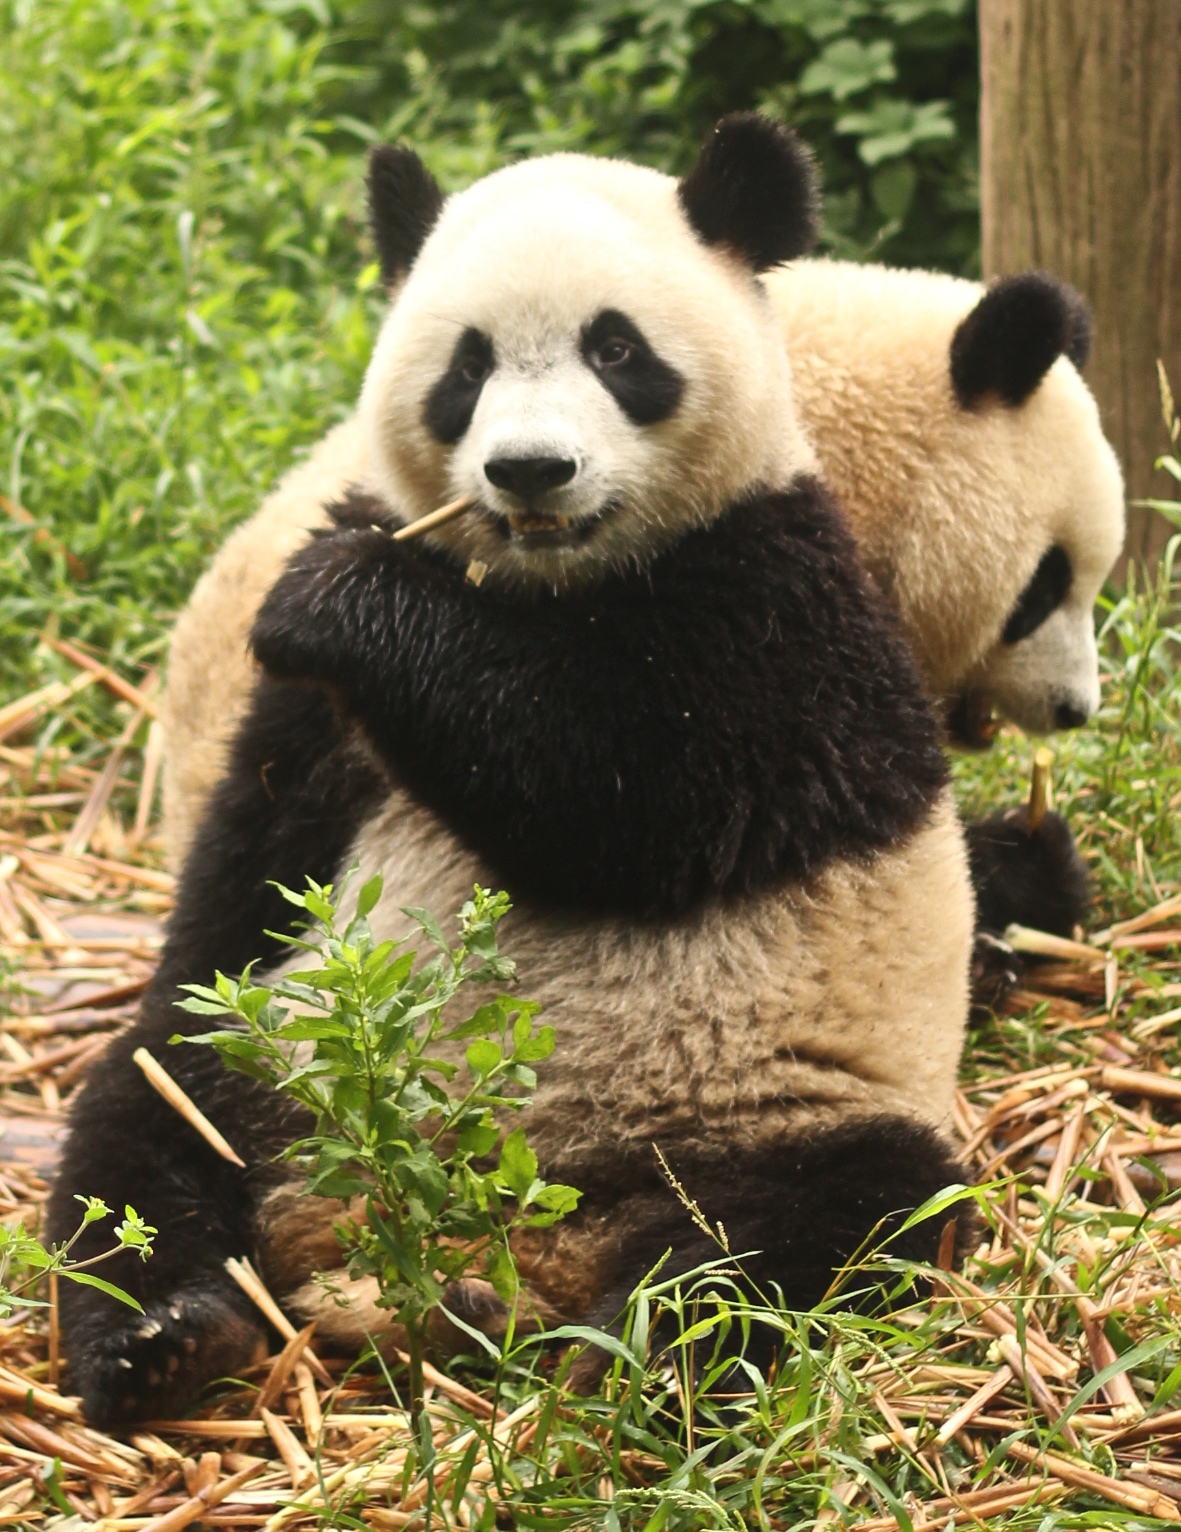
(1044, 594)
(475, 370)
(614, 352)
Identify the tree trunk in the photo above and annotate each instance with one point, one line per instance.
(1080, 147)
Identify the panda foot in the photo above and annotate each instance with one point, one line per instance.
(153, 1365)
(1029, 878)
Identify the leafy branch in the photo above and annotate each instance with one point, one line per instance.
(23, 1253)
(365, 1041)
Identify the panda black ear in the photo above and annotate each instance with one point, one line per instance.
(753, 189)
(404, 202)
(1014, 335)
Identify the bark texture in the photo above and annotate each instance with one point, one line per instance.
(1080, 141)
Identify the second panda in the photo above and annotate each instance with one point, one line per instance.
(673, 718)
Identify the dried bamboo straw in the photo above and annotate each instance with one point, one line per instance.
(434, 518)
(195, 1508)
(253, 1286)
(1021, 1365)
(284, 1364)
(162, 1081)
(970, 1408)
(1134, 1497)
(138, 697)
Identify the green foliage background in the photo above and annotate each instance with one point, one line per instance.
(186, 292)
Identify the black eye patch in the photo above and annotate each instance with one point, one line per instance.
(644, 385)
(451, 404)
(1044, 594)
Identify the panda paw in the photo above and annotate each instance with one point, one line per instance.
(151, 1366)
(995, 973)
(1030, 878)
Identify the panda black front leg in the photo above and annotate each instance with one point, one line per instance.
(1027, 877)
(128, 1146)
(1021, 877)
(797, 1212)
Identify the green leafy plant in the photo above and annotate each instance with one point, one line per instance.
(24, 1260)
(359, 1040)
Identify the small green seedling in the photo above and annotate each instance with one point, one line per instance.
(25, 1255)
(357, 1040)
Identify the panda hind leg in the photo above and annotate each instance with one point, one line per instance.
(804, 1209)
(150, 1366)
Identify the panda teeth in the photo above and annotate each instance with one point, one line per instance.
(537, 524)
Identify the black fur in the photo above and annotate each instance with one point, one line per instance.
(1014, 335)
(1078, 347)
(452, 402)
(753, 189)
(805, 1207)
(404, 202)
(1044, 594)
(1034, 880)
(127, 1145)
(737, 713)
(296, 792)
(643, 384)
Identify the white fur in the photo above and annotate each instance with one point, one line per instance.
(954, 508)
(746, 1018)
(528, 256)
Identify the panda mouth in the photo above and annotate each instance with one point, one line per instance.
(531, 529)
(972, 722)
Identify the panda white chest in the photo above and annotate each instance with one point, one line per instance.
(748, 1015)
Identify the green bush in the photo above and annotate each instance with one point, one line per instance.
(186, 298)
(884, 90)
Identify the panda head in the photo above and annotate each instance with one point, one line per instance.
(1017, 355)
(583, 346)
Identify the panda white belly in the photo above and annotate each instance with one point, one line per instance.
(750, 1016)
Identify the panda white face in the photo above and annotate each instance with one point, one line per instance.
(1044, 673)
(569, 351)
(961, 438)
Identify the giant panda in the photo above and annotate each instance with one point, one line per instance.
(674, 718)
(961, 440)
(955, 426)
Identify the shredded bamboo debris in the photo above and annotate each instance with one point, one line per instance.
(998, 1413)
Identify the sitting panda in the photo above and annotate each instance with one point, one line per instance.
(674, 718)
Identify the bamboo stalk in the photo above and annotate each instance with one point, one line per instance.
(1039, 789)
(1141, 1082)
(282, 1368)
(137, 696)
(970, 1408)
(18, 714)
(153, 759)
(453, 1390)
(309, 1401)
(162, 1081)
(299, 1465)
(1060, 1173)
(255, 1288)
(54, 1333)
(1045, 944)
(1021, 1366)
(1133, 1497)
(195, 1507)
(434, 519)
(93, 809)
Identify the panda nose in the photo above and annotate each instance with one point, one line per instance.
(529, 477)
(1067, 716)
